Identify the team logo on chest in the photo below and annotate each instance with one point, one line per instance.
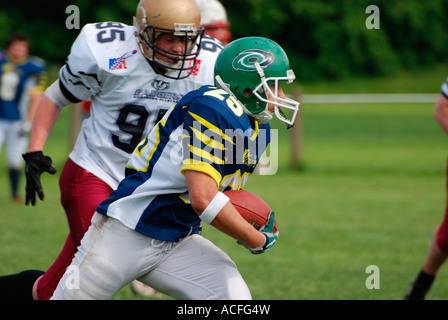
(160, 84)
(160, 92)
(120, 63)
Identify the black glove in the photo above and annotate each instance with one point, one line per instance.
(35, 164)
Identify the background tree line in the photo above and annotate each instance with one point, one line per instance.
(324, 38)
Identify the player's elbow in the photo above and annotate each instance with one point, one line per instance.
(201, 189)
(199, 203)
(441, 110)
(441, 105)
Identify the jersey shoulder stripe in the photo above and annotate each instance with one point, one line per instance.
(220, 138)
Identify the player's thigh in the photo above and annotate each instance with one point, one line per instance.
(81, 193)
(15, 145)
(106, 261)
(442, 231)
(4, 127)
(197, 269)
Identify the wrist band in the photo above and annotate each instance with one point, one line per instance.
(213, 208)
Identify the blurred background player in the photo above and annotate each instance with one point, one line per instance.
(146, 69)
(214, 20)
(438, 249)
(22, 81)
(150, 226)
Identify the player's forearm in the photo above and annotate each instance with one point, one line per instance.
(231, 223)
(34, 102)
(202, 190)
(46, 115)
(441, 112)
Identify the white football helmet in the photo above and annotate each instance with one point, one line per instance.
(214, 20)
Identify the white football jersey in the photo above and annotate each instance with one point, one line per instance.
(128, 98)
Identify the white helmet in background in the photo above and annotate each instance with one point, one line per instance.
(214, 20)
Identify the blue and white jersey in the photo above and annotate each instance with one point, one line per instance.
(127, 96)
(17, 80)
(206, 131)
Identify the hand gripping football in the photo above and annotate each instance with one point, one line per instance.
(251, 207)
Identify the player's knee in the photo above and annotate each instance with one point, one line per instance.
(442, 236)
(95, 278)
(16, 165)
(234, 287)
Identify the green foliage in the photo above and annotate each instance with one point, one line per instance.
(324, 39)
(45, 23)
(329, 39)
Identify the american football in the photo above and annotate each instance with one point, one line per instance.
(251, 207)
(124, 123)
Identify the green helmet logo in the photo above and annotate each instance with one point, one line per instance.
(245, 61)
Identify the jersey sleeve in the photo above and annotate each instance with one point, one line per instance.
(80, 77)
(209, 138)
(215, 135)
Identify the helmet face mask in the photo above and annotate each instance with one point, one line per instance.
(252, 69)
(279, 103)
(180, 19)
(184, 61)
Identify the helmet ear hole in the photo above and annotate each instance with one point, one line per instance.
(247, 92)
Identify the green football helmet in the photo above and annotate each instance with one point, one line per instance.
(247, 68)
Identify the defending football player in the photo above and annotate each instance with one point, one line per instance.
(208, 143)
(133, 75)
(438, 249)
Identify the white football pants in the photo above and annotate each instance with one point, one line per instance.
(16, 143)
(111, 255)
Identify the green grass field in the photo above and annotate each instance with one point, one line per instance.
(370, 191)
